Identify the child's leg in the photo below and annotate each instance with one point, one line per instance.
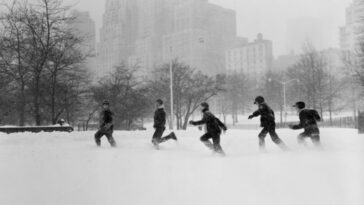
(111, 139)
(157, 136)
(205, 140)
(98, 136)
(262, 136)
(217, 145)
(169, 137)
(301, 138)
(316, 139)
(275, 138)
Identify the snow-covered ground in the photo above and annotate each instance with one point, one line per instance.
(67, 168)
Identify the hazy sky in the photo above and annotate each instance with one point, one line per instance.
(271, 18)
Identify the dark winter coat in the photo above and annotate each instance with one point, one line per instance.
(106, 121)
(308, 120)
(213, 124)
(159, 118)
(266, 114)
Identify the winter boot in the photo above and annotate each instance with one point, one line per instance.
(155, 144)
(111, 140)
(218, 150)
(281, 144)
(98, 142)
(209, 145)
(262, 144)
(112, 143)
(173, 136)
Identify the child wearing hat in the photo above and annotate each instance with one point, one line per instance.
(308, 122)
(213, 129)
(106, 125)
(160, 125)
(267, 121)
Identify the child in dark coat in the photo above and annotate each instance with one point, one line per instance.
(267, 121)
(308, 122)
(106, 125)
(213, 129)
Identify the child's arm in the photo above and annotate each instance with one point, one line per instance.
(201, 122)
(255, 114)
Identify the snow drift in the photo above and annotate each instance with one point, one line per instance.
(67, 168)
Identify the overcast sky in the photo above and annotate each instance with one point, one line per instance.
(273, 18)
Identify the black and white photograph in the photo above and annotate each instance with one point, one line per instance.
(181, 102)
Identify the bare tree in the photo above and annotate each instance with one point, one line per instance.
(272, 89)
(310, 70)
(127, 95)
(237, 95)
(43, 21)
(65, 62)
(12, 54)
(190, 89)
(43, 57)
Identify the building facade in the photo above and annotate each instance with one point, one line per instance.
(117, 34)
(352, 33)
(202, 33)
(84, 26)
(254, 58)
(148, 33)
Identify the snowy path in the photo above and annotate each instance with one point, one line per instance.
(58, 168)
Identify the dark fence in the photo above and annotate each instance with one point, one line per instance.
(342, 122)
(83, 126)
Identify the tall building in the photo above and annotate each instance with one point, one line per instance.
(352, 33)
(149, 33)
(117, 35)
(154, 19)
(254, 58)
(84, 26)
(202, 33)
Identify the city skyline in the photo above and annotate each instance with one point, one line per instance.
(268, 17)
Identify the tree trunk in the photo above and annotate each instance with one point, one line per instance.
(37, 116)
(22, 106)
(53, 99)
(330, 111)
(185, 123)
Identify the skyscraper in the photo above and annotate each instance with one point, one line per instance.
(154, 20)
(84, 26)
(352, 33)
(117, 35)
(149, 33)
(201, 34)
